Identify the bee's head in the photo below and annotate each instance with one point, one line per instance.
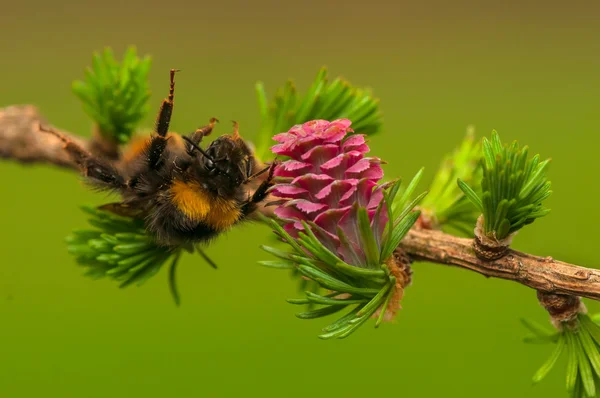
(227, 161)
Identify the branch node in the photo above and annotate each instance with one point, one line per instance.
(489, 248)
(399, 265)
(563, 309)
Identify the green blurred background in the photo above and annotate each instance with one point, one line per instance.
(529, 71)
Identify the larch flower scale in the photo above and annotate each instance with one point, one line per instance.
(343, 225)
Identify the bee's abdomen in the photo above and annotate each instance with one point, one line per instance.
(215, 212)
(171, 227)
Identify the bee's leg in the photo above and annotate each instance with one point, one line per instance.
(236, 130)
(196, 137)
(261, 192)
(99, 171)
(166, 109)
(159, 142)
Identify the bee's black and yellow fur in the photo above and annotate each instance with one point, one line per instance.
(184, 194)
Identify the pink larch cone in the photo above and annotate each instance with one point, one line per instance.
(326, 175)
(324, 182)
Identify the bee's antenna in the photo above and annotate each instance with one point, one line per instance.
(269, 168)
(253, 176)
(196, 147)
(215, 164)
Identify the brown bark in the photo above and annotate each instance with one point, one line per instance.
(540, 273)
(21, 140)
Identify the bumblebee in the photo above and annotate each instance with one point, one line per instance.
(184, 194)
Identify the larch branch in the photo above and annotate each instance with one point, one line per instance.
(20, 140)
(544, 274)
